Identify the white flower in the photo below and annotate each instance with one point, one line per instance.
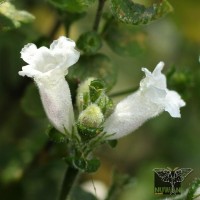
(48, 68)
(151, 99)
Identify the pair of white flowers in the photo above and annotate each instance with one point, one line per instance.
(48, 68)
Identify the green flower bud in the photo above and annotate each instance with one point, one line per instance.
(89, 42)
(89, 122)
(91, 117)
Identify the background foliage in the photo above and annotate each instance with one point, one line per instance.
(30, 166)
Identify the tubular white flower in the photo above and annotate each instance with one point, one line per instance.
(48, 68)
(151, 99)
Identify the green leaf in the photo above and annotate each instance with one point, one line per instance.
(96, 88)
(84, 165)
(69, 17)
(182, 81)
(112, 143)
(56, 136)
(16, 17)
(80, 163)
(5, 23)
(88, 133)
(106, 105)
(72, 5)
(80, 194)
(133, 13)
(89, 42)
(98, 66)
(92, 165)
(126, 40)
(31, 103)
(192, 189)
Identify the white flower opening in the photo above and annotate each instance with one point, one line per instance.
(148, 101)
(48, 68)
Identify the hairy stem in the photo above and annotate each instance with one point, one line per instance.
(98, 15)
(70, 177)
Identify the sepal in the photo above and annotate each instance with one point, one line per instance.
(83, 164)
(56, 136)
(88, 133)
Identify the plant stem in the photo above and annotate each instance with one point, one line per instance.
(123, 92)
(98, 15)
(68, 182)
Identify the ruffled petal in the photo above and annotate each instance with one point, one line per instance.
(28, 53)
(61, 55)
(173, 103)
(29, 71)
(62, 43)
(155, 79)
(64, 50)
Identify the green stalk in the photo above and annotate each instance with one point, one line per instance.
(98, 15)
(70, 178)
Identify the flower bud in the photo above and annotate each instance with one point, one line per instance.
(91, 117)
(90, 121)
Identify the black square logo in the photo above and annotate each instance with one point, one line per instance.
(168, 181)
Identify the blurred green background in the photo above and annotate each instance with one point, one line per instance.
(31, 168)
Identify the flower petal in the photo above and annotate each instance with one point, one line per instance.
(62, 43)
(64, 49)
(59, 57)
(130, 114)
(29, 71)
(56, 99)
(173, 103)
(151, 99)
(48, 67)
(28, 52)
(156, 78)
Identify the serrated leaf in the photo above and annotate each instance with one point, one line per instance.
(16, 17)
(92, 165)
(96, 88)
(31, 103)
(89, 42)
(106, 105)
(72, 5)
(98, 66)
(126, 40)
(88, 133)
(133, 13)
(56, 136)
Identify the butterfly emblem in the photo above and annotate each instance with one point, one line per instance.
(172, 176)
